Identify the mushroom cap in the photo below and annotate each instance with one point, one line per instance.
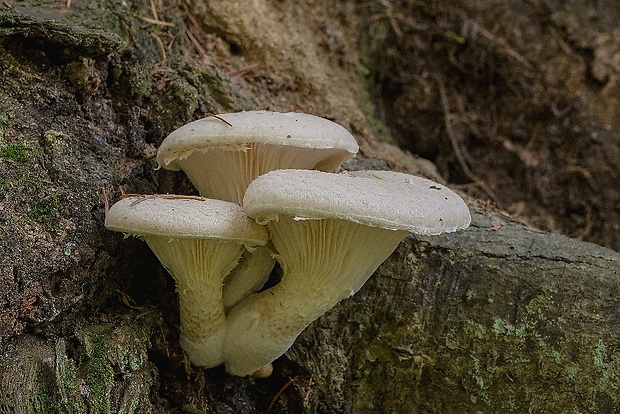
(182, 217)
(277, 128)
(385, 199)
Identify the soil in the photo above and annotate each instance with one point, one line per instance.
(516, 103)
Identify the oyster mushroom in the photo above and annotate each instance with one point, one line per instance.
(222, 154)
(331, 232)
(198, 241)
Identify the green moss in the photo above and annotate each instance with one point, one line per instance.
(16, 152)
(502, 328)
(69, 246)
(5, 186)
(491, 364)
(99, 370)
(112, 355)
(44, 209)
(67, 381)
(45, 403)
(476, 330)
(5, 123)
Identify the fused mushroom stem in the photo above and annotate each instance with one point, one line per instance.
(324, 261)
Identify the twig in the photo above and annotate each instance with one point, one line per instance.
(204, 34)
(388, 13)
(128, 300)
(156, 22)
(193, 20)
(465, 186)
(242, 71)
(162, 48)
(499, 41)
(393, 23)
(322, 35)
(454, 142)
(154, 10)
(171, 42)
(588, 226)
(143, 197)
(197, 45)
(219, 117)
(275, 398)
(307, 396)
(105, 199)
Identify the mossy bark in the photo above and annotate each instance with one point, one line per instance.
(498, 318)
(505, 320)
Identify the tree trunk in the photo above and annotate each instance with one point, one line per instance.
(498, 318)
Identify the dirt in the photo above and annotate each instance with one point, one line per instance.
(517, 104)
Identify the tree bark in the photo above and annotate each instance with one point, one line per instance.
(498, 318)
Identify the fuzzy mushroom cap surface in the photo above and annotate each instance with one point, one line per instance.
(385, 199)
(276, 128)
(179, 217)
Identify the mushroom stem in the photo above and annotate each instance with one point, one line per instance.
(198, 268)
(249, 276)
(322, 265)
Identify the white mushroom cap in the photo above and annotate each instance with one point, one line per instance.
(199, 241)
(222, 155)
(266, 127)
(181, 217)
(385, 199)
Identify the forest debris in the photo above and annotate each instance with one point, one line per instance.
(454, 142)
(160, 44)
(153, 10)
(208, 114)
(585, 232)
(242, 71)
(388, 13)
(128, 300)
(156, 22)
(502, 44)
(526, 156)
(275, 398)
(307, 396)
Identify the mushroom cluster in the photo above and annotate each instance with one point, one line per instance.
(270, 192)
